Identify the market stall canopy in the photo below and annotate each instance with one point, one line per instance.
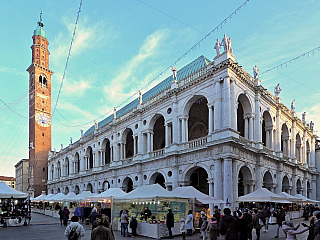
(290, 197)
(82, 196)
(262, 195)
(70, 195)
(150, 193)
(107, 195)
(305, 199)
(191, 192)
(56, 198)
(44, 199)
(8, 192)
(39, 198)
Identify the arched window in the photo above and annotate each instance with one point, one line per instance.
(42, 81)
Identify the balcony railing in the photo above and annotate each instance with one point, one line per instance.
(157, 153)
(195, 143)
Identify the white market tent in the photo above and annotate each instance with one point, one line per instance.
(109, 194)
(262, 195)
(8, 192)
(191, 192)
(39, 198)
(46, 197)
(149, 193)
(70, 195)
(56, 198)
(80, 197)
(305, 199)
(290, 197)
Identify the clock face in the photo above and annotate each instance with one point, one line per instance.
(43, 119)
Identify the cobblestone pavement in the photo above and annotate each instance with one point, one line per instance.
(44, 227)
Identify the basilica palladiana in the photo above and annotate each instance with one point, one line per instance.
(210, 125)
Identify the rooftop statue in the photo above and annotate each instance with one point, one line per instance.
(217, 47)
(293, 108)
(95, 124)
(311, 125)
(174, 73)
(255, 72)
(114, 112)
(304, 114)
(140, 97)
(277, 91)
(225, 43)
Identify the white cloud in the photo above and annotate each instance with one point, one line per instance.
(12, 70)
(116, 90)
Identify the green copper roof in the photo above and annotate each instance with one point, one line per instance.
(39, 31)
(182, 73)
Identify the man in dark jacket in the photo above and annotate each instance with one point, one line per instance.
(262, 217)
(281, 216)
(267, 214)
(316, 231)
(245, 225)
(170, 222)
(93, 215)
(216, 213)
(229, 225)
(101, 232)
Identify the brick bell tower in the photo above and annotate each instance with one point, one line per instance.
(39, 110)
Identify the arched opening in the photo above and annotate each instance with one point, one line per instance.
(159, 133)
(127, 185)
(285, 185)
(58, 191)
(244, 117)
(285, 140)
(197, 177)
(42, 81)
(89, 187)
(298, 148)
(267, 128)
(245, 183)
(309, 190)
(129, 144)
(308, 153)
(59, 169)
(299, 187)
(67, 166)
(105, 185)
(106, 149)
(76, 190)
(267, 181)
(89, 155)
(66, 191)
(158, 178)
(52, 172)
(77, 162)
(198, 119)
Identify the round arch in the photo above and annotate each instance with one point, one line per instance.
(285, 184)
(77, 162)
(89, 155)
(285, 139)
(127, 137)
(58, 190)
(76, 190)
(268, 181)
(267, 127)
(298, 148)
(197, 177)
(127, 185)
(159, 178)
(309, 190)
(105, 185)
(189, 101)
(245, 181)
(67, 166)
(105, 148)
(244, 111)
(89, 187)
(66, 190)
(299, 187)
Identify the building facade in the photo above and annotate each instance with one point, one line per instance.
(211, 125)
(39, 111)
(10, 181)
(22, 175)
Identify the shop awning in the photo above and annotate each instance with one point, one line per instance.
(8, 192)
(290, 197)
(80, 197)
(191, 192)
(262, 195)
(56, 198)
(39, 198)
(107, 195)
(150, 193)
(305, 199)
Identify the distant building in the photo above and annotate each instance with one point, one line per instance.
(22, 175)
(11, 181)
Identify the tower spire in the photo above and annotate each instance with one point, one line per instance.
(40, 23)
(40, 14)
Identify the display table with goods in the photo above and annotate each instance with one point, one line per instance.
(150, 204)
(14, 207)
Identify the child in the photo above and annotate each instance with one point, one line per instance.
(204, 227)
(183, 228)
(213, 229)
(133, 225)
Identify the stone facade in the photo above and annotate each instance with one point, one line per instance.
(215, 128)
(22, 175)
(10, 181)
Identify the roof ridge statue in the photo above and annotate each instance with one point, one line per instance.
(255, 72)
(174, 73)
(277, 91)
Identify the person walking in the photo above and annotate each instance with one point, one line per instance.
(65, 216)
(216, 214)
(256, 223)
(189, 223)
(92, 216)
(229, 225)
(292, 230)
(267, 214)
(124, 222)
(280, 216)
(61, 216)
(101, 232)
(213, 229)
(183, 228)
(204, 227)
(263, 218)
(316, 231)
(170, 222)
(245, 224)
(75, 230)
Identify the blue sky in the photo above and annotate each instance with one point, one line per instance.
(121, 45)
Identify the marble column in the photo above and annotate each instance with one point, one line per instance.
(267, 139)
(210, 182)
(175, 177)
(251, 128)
(233, 105)
(257, 124)
(226, 103)
(183, 128)
(166, 125)
(217, 106)
(271, 139)
(210, 119)
(148, 142)
(278, 131)
(246, 127)
(293, 141)
(217, 179)
(227, 179)
(151, 143)
(134, 145)
(313, 153)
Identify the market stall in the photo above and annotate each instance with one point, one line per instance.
(292, 199)
(13, 207)
(158, 200)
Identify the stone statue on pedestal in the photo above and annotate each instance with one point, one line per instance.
(217, 47)
(293, 108)
(95, 124)
(229, 46)
(304, 114)
(70, 140)
(255, 72)
(311, 125)
(174, 73)
(114, 112)
(225, 43)
(277, 91)
(61, 146)
(81, 131)
(140, 97)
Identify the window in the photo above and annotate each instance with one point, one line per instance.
(42, 134)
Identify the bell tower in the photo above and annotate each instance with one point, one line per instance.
(39, 110)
